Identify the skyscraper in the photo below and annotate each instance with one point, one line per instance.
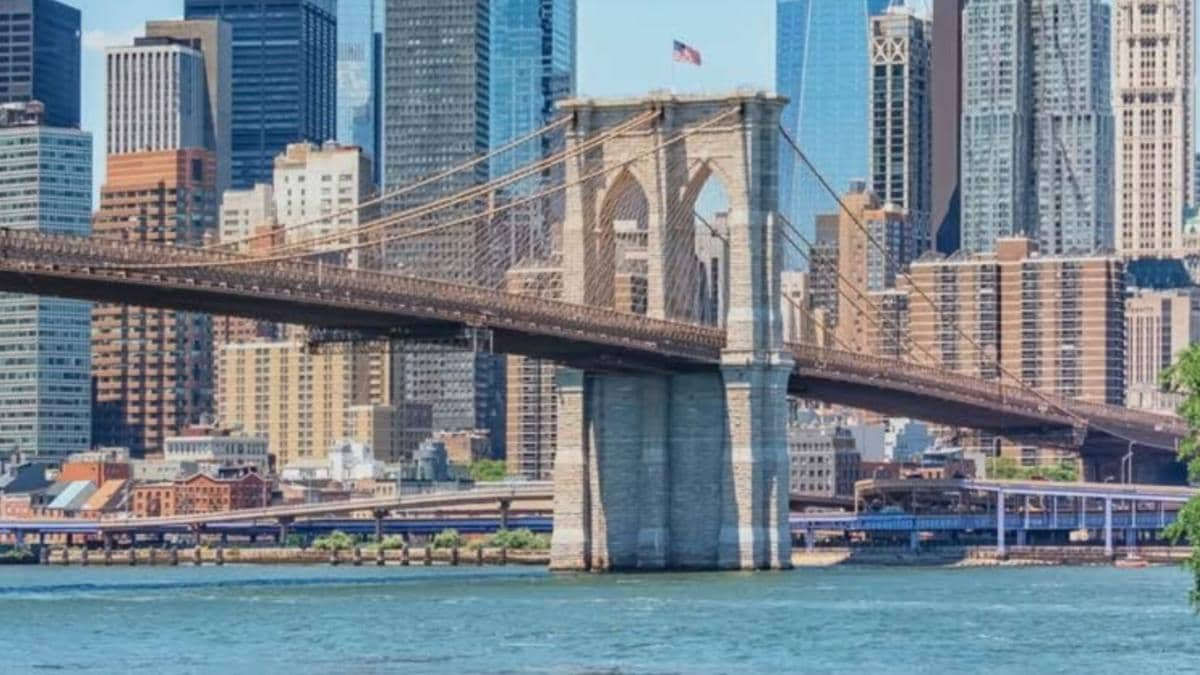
(153, 367)
(900, 120)
(213, 38)
(532, 67)
(41, 59)
(284, 77)
(1037, 124)
(821, 62)
(359, 76)
(1072, 125)
(997, 123)
(437, 115)
(45, 402)
(945, 89)
(155, 96)
(1153, 90)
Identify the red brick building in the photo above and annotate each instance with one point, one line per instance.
(201, 493)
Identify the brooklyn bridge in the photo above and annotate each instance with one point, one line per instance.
(672, 441)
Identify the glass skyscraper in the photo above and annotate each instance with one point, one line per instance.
(41, 57)
(821, 62)
(45, 398)
(359, 76)
(533, 66)
(284, 77)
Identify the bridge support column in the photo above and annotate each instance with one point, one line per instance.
(1108, 533)
(1000, 544)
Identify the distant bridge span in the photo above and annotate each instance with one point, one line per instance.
(596, 339)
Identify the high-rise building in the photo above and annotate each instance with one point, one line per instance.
(822, 65)
(997, 123)
(152, 368)
(213, 38)
(437, 115)
(317, 192)
(284, 77)
(244, 213)
(360, 77)
(155, 96)
(531, 396)
(532, 67)
(303, 402)
(1159, 326)
(1036, 124)
(945, 89)
(42, 58)
(900, 131)
(862, 269)
(1153, 101)
(45, 402)
(1072, 125)
(1056, 322)
(824, 458)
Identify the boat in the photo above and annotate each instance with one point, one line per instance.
(1131, 562)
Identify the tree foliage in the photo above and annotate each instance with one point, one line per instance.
(483, 470)
(1184, 378)
(521, 539)
(448, 539)
(335, 541)
(1007, 468)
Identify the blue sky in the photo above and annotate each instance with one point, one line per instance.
(624, 46)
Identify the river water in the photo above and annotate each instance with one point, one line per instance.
(238, 619)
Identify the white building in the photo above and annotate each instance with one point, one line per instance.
(318, 189)
(218, 450)
(45, 398)
(245, 213)
(155, 96)
(1153, 88)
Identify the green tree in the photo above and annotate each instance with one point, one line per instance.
(448, 538)
(488, 470)
(334, 541)
(1007, 468)
(1184, 378)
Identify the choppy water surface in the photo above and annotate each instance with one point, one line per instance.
(368, 620)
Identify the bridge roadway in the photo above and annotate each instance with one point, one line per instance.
(591, 338)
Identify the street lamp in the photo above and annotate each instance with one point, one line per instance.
(1127, 460)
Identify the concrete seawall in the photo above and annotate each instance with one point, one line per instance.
(290, 556)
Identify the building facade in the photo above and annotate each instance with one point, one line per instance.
(156, 96)
(1153, 102)
(1036, 124)
(822, 65)
(532, 60)
(200, 493)
(1055, 322)
(317, 192)
(824, 461)
(360, 78)
(303, 402)
(437, 115)
(531, 391)
(284, 77)
(901, 114)
(45, 398)
(213, 38)
(152, 368)
(945, 90)
(42, 59)
(1159, 326)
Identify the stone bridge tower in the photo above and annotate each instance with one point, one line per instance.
(681, 470)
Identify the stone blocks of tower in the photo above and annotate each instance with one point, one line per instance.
(675, 470)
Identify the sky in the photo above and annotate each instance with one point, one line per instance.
(624, 47)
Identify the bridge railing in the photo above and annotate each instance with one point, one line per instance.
(293, 279)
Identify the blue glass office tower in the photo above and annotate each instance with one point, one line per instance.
(359, 63)
(40, 57)
(821, 64)
(284, 77)
(533, 66)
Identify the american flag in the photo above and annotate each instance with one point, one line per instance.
(686, 54)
